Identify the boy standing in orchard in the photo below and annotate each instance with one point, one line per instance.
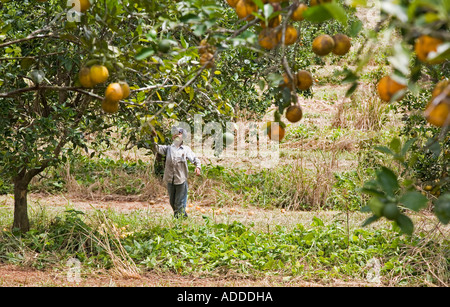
(176, 170)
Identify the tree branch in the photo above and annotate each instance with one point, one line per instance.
(53, 88)
(38, 36)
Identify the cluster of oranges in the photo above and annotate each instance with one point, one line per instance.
(437, 112)
(91, 75)
(97, 74)
(273, 34)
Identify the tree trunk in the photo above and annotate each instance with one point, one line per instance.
(20, 206)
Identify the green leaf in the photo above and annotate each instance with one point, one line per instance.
(414, 200)
(387, 180)
(268, 10)
(371, 191)
(376, 205)
(442, 208)
(384, 149)
(183, 41)
(400, 59)
(260, 4)
(144, 53)
(395, 10)
(442, 53)
(355, 28)
(351, 89)
(407, 145)
(317, 14)
(405, 224)
(370, 220)
(395, 145)
(337, 11)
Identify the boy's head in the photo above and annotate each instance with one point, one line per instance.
(177, 132)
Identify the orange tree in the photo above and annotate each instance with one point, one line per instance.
(418, 87)
(72, 71)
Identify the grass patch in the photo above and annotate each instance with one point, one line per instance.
(130, 244)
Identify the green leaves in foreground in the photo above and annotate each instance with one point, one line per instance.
(388, 199)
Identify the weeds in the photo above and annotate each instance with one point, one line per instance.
(310, 251)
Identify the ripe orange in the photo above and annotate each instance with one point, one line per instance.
(294, 113)
(437, 112)
(440, 86)
(274, 133)
(274, 22)
(297, 15)
(341, 44)
(245, 8)
(205, 47)
(99, 74)
(426, 44)
(267, 38)
(84, 6)
(232, 3)
(125, 89)
(84, 77)
(207, 59)
(290, 37)
(110, 106)
(304, 80)
(387, 88)
(287, 81)
(114, 92)
(322, 45)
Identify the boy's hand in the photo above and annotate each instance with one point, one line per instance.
(197, 171)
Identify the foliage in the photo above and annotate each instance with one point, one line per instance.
(315, 251)
(389, 192)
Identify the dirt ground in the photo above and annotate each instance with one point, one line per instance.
(20, 276)
(15, 276)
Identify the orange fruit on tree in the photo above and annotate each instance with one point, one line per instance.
(85, 78)
(110, 106)
(322, 45)
(437, 111)
(294, 113)
(114, 92)
(232, 3)
(273, 22)
(287, 81)
(341, 44)
(388, 88)
(304, 80)
(297, 15)
(440, 87)
(99, 74)
(267, 38)
(438, 115)
(274, 133)
(207, 59)
(125, 89)
(203, 46)
(290, 36)
(83, 6)
(206, 47)
(245, 8)
(426, 44)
